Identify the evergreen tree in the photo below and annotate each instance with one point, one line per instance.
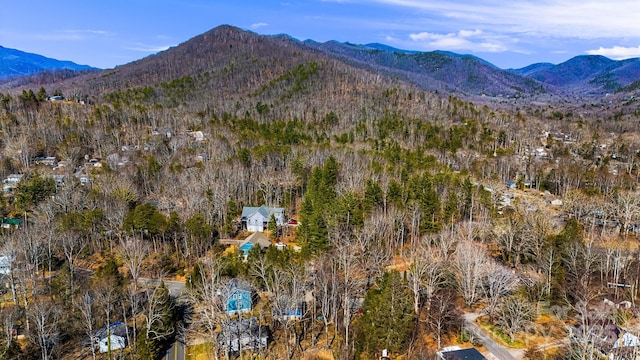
(42, 94)
(145, 219)
(272, 227)
(316, 207)
(34, 190)
(199, 233)
(388, 319)
(373, 195)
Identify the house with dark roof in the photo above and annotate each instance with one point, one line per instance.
(255, 219)
(455, 353)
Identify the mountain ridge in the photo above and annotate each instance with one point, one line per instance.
(16, 63)
(461, 74)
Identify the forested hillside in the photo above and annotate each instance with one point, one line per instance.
(128, 200)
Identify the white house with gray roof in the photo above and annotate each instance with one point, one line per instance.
(255, 219)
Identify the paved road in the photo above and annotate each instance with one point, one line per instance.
(176, 352)
(496, 349)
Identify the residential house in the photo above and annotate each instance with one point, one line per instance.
(5, 264)
(239, 297)
(455, 353)
(11, 223)
(112, 337)
(85, 180)
(197, 135)
(255, 219)
(287, 309)
(510, 184)
(45, 160)
(242, 335)
(255, 239)
(114, 342)
(556, 202)
(627, 347)
(11, 182)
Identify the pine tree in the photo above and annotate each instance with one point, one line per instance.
(388, 319)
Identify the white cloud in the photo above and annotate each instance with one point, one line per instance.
(147, 48)
(585, 19)
(472, 40)
(259, 25)
(617, 52)
(435, 36)
(87, 31)
(72, 35)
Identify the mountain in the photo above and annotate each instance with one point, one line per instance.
(532, 69)
(230, 72)
(243, 60)
(378, 46)
(14, 63)
(253, 56)
(436, 70)
(585, 74)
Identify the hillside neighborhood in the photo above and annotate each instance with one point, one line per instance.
(242, 196)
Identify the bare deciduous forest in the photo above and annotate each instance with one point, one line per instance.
(392, 217)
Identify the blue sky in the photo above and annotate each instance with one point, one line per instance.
(510, 34)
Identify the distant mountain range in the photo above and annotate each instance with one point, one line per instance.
(14, 63)
(463, 75)
(580, 76)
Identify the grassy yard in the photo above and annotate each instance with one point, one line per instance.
(200, 352)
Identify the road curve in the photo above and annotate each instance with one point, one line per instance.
(494, 348)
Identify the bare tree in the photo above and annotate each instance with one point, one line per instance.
(287, 303)
(497, 283)
(87, 310)
(159, 317)
(627, 205)
(592, 328)
(347, 255)
(326, 288)
(134, 251)
(514, 315)
(8, 319)
(442, 317)
(581, 261)
(426, 272)
(106, 296)
(506, 234)
(208, 303)
(72, 246)
(470, 267)
(44, 317)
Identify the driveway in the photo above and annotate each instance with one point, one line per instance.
(176, 288)
(497, 350)
(176, 352)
